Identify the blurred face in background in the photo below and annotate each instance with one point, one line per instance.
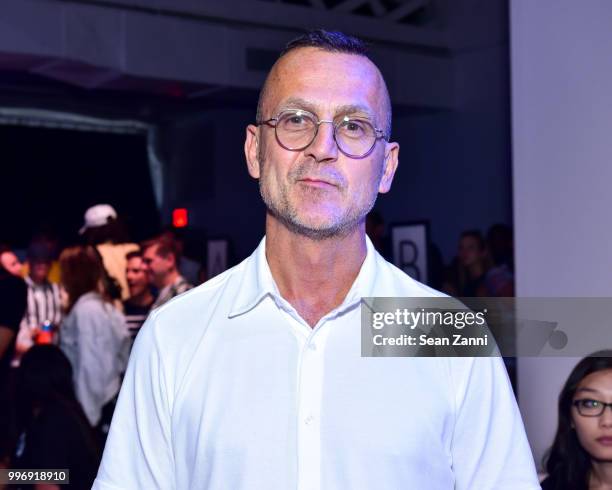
(595, 433)
(137, 276)
(39, 271)
(158, 267)
(11, 263)
(470, 251)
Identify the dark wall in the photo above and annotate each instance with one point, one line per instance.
(50, 176)
(211, 179)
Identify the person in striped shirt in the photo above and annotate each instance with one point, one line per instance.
(44, 308)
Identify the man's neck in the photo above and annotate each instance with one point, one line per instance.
(143, 299)
(601, 476)
(170, 279)
(314, 276)
(476, 270)
(38, 283)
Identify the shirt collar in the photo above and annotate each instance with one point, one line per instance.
(174, 284)
(178, 282)
(256, 281)
(30, 282)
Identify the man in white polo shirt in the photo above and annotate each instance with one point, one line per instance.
(254, 380)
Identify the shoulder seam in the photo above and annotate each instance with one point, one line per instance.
(211, 285)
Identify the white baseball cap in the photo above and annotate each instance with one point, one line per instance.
(97, 216)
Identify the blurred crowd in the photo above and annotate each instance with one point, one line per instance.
(483, 265)
(68, 319)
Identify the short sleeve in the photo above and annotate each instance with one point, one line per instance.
(138, 451)
(489, 447)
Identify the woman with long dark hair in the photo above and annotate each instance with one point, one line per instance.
(581, 455)
(94, 335)
(54, 432)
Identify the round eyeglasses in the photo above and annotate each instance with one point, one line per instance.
(295, 130)
(590, 408)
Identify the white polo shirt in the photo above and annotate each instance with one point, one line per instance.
(229, 389)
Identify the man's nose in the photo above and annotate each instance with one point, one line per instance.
(323, 147)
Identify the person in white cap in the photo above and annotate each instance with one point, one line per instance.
(103, 230)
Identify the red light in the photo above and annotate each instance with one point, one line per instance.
(179, 218)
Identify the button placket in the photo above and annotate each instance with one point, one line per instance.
(309, 411)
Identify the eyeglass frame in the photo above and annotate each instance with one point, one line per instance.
(576, 403)
(380, 133)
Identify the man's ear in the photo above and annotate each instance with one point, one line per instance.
(171, 258)
(390, 166)
(251, 150)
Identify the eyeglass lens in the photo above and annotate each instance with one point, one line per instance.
(591, 408)
(296, 130)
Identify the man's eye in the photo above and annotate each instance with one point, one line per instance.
(353, 129)
(296, 122)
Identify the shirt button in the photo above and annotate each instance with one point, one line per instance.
(312, 346)
(309, 420)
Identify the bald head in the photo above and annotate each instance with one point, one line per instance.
(299, 54)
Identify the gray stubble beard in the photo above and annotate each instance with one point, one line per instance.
(286, 214)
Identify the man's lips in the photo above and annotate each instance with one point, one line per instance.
(316, 182)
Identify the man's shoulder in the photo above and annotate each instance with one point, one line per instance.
(11, 283)
(176, 328)
(182, 307)
(13, 300)
(117, 248)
